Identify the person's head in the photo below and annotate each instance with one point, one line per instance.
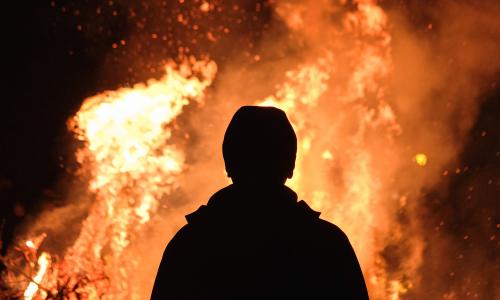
(259, 146)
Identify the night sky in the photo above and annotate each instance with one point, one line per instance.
(46, 82)
(59, 53)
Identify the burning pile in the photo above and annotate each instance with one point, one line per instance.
(350, 165)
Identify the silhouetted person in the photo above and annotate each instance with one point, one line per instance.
(253, 240)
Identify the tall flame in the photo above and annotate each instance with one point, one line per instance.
(361, 194)
(132, 163)
(127, 151)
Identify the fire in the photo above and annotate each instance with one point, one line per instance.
(126, 135)
(33, 287)
(397, 289)
(132, 164)
(135, 156)
(303, 95)
(127, 151)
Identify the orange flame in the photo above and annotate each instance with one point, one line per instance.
(127, 151)
(33, 287)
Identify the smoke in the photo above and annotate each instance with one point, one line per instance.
(444, 63)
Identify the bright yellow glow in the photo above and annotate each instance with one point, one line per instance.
(396, 290)
(421, 159)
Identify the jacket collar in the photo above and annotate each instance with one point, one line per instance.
(246, 200)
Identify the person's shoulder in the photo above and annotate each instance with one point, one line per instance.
(190, 229)
(331, 230)
(196, 216)
(182, 236)
(321, 226)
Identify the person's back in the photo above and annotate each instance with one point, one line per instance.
(254, 240)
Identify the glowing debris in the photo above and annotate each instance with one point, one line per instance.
(420, 159)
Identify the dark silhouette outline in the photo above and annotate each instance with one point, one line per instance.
(254, 240)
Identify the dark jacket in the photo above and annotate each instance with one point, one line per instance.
(258, 244)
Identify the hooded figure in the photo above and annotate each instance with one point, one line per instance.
(254, 240)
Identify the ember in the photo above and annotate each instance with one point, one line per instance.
(421, 159)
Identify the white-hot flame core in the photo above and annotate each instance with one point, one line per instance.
(33, 286)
